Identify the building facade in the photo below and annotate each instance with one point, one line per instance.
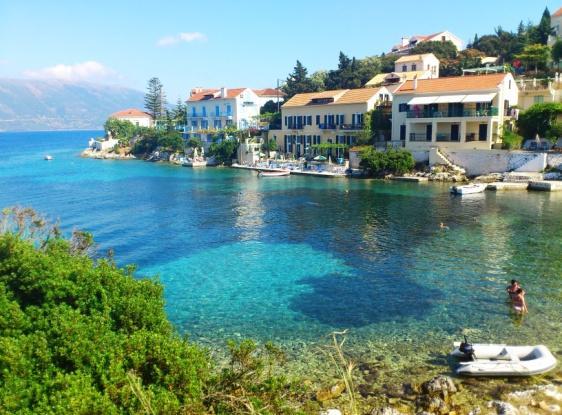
(326, 117)
(538, 91)
(556, 24)
(409, 42)
(135, 116)
(466, 112)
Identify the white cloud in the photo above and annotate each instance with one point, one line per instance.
(181, 37)
(84, 71)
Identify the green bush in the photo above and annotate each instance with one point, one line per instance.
(224, 151)
(391, 161)
(511, 140)
(539, 119)
(86, 337)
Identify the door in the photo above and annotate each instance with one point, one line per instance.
(483, 132)
(403, 132)
(454, 132)
(428, 131)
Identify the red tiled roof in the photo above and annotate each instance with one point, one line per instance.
(131, 112)
(557, 12)
(230, 93)
(453, 84)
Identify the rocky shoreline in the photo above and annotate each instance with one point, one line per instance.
(106, 155)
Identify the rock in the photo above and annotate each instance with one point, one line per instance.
(365, 390)
(503, 408)
(386, 411)
(439, 384)
(331, 412)
(432, 404)
(551, 409)
(332, 393)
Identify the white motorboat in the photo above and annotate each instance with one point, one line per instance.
(277, 173)
(48, 157)
(502, 360)
(468, 189)
(194, 163)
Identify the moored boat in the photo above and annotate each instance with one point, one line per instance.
(277, 173)
(502, 360)
(48, 157)
(468, 189)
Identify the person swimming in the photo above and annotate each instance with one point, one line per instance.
(519, 303)
(512, 288)
(443, 226)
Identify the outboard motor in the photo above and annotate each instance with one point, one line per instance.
(467, 349)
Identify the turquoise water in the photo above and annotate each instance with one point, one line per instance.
(293, 259)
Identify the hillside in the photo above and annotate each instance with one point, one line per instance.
(54, 105)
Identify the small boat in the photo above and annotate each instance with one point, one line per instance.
(194, 163)
(277, 173)
(48, 157)
(468, 189)
(502, 360)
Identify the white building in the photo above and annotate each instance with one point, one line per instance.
(409, 42)
(269, 94)
(406, 68)
(465, 112)
(135, 116)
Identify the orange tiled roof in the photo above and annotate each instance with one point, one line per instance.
(341, 96)
(557, 12)
(270, 92)
(453, 84)
(131, 112)
(230, 93)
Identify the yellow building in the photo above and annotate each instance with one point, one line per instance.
(538, 91)
(326, 117)
(464, 112)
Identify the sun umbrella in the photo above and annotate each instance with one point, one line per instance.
(320, 158)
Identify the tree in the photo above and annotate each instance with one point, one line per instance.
(346, 76)
(269, 107)
(442, 50)
(318, 79)
(298, 82)
(390, 161)
(155, 99)
(536, 55)
(171, 141)
(179, 113)
(540, 33)
(121, 130)
(556, 52)
(224, 151)
(539, 119)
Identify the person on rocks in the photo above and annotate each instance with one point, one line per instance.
(519, 303)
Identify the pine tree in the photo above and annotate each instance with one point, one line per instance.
(540, 33)
(155, 98)
(298, 81)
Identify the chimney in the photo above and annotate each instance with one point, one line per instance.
(405, 40)
(224, 92)
(415, 82)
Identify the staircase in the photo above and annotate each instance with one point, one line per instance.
(437, 156)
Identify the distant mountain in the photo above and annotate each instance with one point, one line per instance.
(56, 105)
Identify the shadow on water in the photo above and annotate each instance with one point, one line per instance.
(350, 302)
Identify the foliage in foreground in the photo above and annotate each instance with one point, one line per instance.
(541, 119)
(82, 336)
(390, 161)
(224, 151)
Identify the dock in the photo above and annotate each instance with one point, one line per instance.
(546, 185)
(501, 186)
(325, 174)
(415, 179)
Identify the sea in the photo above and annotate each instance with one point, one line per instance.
(293, 259)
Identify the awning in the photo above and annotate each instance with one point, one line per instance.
(422, 100)
(480, 97)
(445, 99)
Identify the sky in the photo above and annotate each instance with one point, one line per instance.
(232, 43)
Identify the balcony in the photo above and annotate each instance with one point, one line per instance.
(325, 126)
(489, 112)
(350, 127)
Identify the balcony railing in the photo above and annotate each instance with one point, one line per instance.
(327, 126)
(490, 112)
(446, 137)
(350, 127)
(419, 137)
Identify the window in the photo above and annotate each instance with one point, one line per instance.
(539, 99)
(228, 109)
(404, 68)
(443, 38)
(217, 124)
(204, 111)
(217, 111)
(402, 107)
(317, 119)
(309, 119)
(509, 84)
(414, 67)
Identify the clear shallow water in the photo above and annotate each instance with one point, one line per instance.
(292, 259)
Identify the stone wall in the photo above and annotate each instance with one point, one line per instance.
(554, 160)
(478, 162)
